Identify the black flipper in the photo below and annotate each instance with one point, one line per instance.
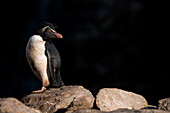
(53, 65)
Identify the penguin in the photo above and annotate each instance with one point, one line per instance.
(43, 57)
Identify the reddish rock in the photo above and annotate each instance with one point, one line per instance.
(109, 99)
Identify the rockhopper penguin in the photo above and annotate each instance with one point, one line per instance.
(44, 58)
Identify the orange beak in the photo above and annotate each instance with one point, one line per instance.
(59, 35)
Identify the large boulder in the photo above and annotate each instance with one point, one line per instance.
(164, 104)
(65, 98)
(109, 99)
(12, 105)
(119, 111)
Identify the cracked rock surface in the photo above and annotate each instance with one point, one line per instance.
(65, 98)
(164, 104)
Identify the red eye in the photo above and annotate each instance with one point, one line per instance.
(51, 31)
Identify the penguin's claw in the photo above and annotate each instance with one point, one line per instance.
(40, 91)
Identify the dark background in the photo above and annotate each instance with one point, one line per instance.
(107, 43)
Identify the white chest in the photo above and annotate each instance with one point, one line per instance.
(35, 47)
(35, 52)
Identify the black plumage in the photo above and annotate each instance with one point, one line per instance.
(54, 64)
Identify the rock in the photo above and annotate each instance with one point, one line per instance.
(66, 97)
(109, 99)
(119, 111)
(12, 105)
(138, 111)
(164, 104)
(87, 111)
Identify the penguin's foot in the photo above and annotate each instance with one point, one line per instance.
(40, 91)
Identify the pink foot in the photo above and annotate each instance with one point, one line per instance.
(40, 91)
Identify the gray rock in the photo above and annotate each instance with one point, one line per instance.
(87, 111)
(164, 104)
(109, 99)
(12, 105)
(119, 111)
(66, 97)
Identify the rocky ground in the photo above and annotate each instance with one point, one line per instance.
(77, 99)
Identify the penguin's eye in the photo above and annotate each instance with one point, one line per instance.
(52, 31)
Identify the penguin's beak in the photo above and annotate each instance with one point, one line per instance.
(58, 35)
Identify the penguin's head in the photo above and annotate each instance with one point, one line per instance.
(47, 31)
